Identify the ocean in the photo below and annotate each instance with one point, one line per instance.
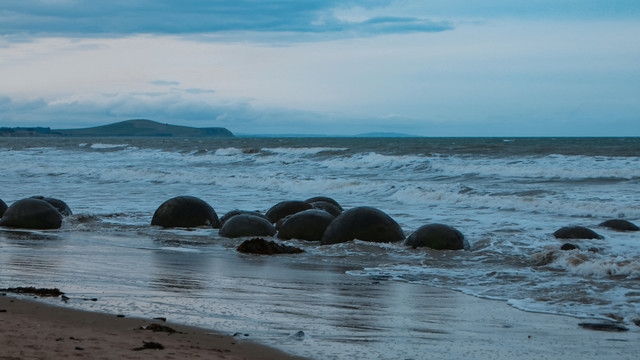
(506, 195)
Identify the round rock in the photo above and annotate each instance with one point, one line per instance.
(620, 225)
(32, 214)
(325, 199)
(3, 207)
(236, 212)
(327, 206)
(247, 225)
(569, 246)
(185, 211)
(285, 208)
(576, 232)
(307, 225)
(438, 237)
(60, 205)
(363, 223)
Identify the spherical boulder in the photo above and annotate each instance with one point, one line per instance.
(185, 211)
(246, 225)
(324, 199)
(362, 223)
(236, 212)
(438, 237)
(60, 205)
(620, 225)
(327, 206)
(307, 225)
(3, 207)
(576, 232)
(285, 208)
(31, 214)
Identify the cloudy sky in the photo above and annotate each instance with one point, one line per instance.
(423, 67)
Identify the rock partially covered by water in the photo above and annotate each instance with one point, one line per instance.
(327, 206)
(286, 208)
(438, 237)
(307, 225)
(363, 223)
(569, 246)
(261, 246)
(325, 199)
(576, 232)
(247, 225)
(236, 212)
(620, 225)
(185, 211)
(31, 214)
(3, 207)
(60, 205)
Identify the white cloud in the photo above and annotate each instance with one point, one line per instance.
(502, 75)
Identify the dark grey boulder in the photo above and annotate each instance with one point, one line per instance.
(3, 207)
(60, 205)
(325, 199)
(307, 225)
(569, 246)
(620, 225)
(236, 212)
(31, 214)
(438, 237)
(247, 225)
(576, 232)
(327, 206)
(264, 247)
(285, 208)
(185, 211)
(363, 223)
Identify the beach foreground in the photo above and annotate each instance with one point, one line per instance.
(33, 330)
(480, 329)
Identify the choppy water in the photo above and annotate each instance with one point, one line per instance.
(507, 196)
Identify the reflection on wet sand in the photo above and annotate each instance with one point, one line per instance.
(179, 271)
(23, 259)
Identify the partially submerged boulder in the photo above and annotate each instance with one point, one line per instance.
(286, 208)
(327, 206)
(438, 237)
(185, 211)
(60, 205)
(620, 225)
(261, 246)
(325, 199)
(247, 225)
(569, 246)
(307, 225)
(363, 223)
(31, 214)
(3, 207)
(576, 232)
(236, 212)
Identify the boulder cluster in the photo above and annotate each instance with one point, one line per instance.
(320, 219)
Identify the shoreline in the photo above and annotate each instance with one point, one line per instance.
(31, 329)
(461, 326)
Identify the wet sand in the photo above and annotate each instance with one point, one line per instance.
(33, 330)
(462, 327)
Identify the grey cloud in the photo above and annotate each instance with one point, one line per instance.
(199, 91)
(164, 83)
(117, 18)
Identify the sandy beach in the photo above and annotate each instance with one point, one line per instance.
(33, 330)
(462, 327)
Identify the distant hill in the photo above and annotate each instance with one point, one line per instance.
(137, 127)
